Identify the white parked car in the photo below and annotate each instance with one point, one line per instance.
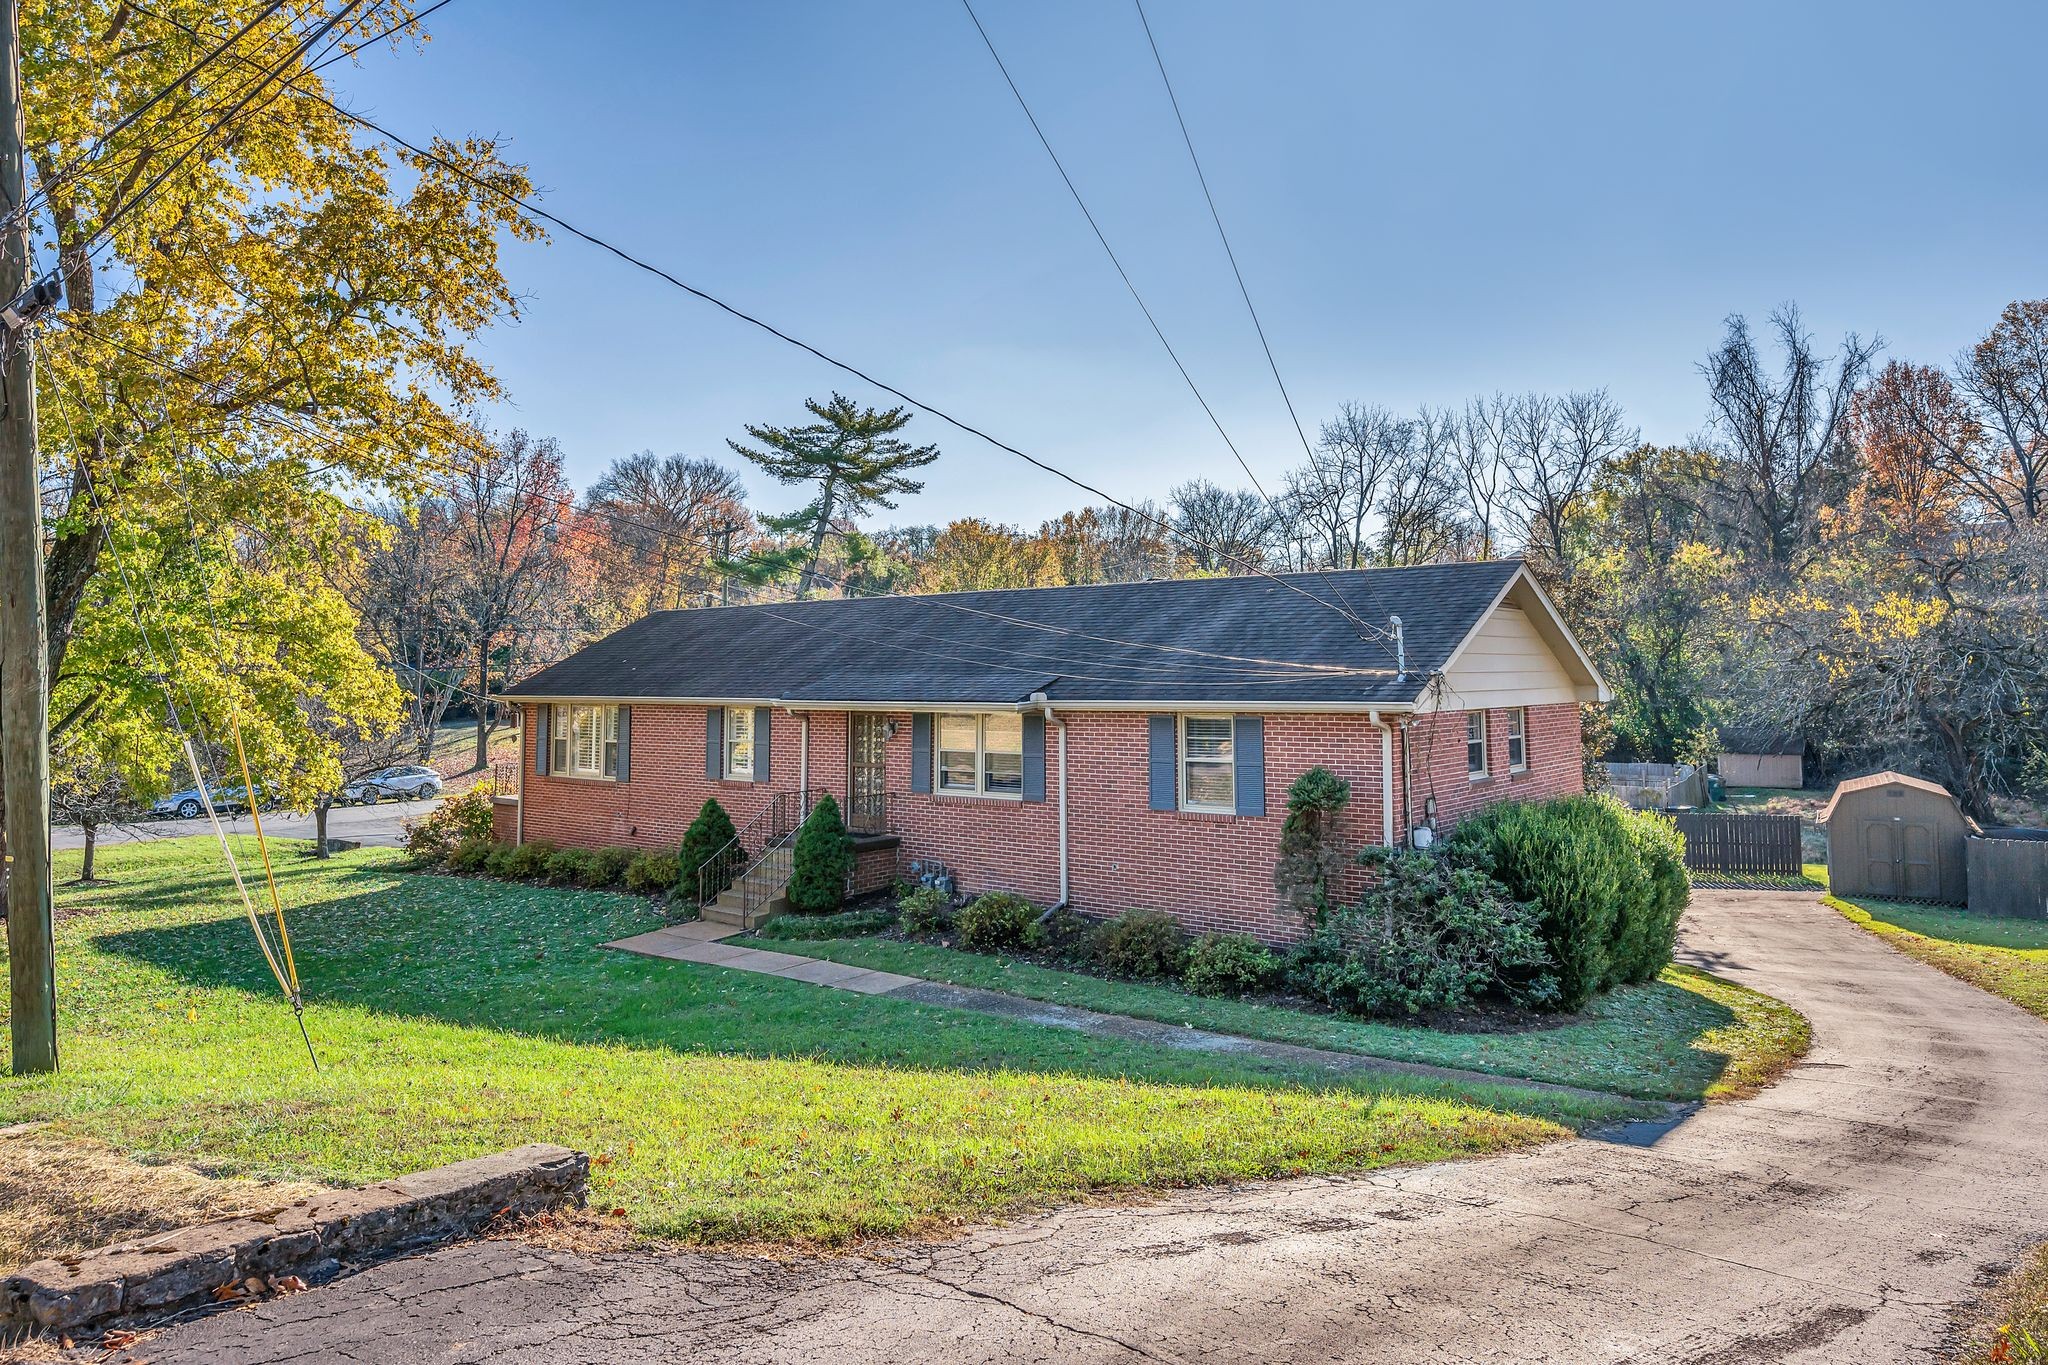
(406, 782)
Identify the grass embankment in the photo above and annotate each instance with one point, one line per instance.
(2008, 957)
(1685, 1036)
(456, 1017)
(2013, 1326)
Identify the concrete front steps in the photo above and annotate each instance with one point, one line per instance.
(763, 883)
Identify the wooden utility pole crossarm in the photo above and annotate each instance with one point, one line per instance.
(24, 667)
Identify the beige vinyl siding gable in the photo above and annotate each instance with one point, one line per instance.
(1507, 663)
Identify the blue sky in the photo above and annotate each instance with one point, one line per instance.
(1429, 202)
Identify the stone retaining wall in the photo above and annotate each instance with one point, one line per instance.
(314, 1239)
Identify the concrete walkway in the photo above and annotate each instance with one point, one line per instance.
(1836, 1217)
(706, 944)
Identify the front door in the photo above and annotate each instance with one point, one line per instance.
(866, 811)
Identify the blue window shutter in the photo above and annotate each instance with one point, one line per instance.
(714, 742)
(540, 738)
(625, 743)
(921, 752)
(764, 720)
(1165, 782)
(1248, 749)
(1034, 757)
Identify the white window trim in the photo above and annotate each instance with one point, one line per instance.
(726, 768)
(1485, 768)
(562, 741)
(980, 791)
(1181, 764)
(1518, 731)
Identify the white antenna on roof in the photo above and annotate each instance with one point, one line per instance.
(1400, 649)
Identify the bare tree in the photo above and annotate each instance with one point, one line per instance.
(1420, 507)
(511, 575)
(1223, 530)
(1782, 440)
(404, 594)
(661, 523)
(1557, 449)
(1481, 438)
(2006, 376)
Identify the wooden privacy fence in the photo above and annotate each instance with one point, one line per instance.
(2009, 873)
(1727, 845)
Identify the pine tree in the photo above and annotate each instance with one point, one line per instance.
(708, 833)
(822, 862)
(852, 455)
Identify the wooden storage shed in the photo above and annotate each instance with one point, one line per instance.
(1898, 838)
(1757, 759)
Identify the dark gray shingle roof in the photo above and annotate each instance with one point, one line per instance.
(1136, 642)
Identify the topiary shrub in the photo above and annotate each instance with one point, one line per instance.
(925, 910)
(1649, 923)
(822, 862)
(711, 831)
(459, 820)
(471, 856)
(808, 928)
(608, 866)
(568, 866)
(1142, 943)
(1574, 861)
(998, 919)
(525, 862)
(1434, 932)
(1228, 964)
(1309, 853)
(652, 874)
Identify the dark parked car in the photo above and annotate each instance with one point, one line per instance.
(406, 782)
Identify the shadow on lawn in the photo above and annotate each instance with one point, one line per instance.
(523, 960)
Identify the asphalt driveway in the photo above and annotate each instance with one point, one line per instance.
(1836, 1217)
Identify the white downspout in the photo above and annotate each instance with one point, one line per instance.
(528, 728)
(1386, 779)
(1045, 709)
(803, 756)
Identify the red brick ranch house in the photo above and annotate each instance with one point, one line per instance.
(1108, 746)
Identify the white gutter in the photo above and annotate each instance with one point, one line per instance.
(1237, 703)
(1386, 779)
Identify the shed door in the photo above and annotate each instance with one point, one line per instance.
(1919, 863)
(1881, 855)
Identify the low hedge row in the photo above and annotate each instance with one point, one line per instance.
(598, 869)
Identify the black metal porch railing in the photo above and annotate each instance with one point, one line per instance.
(871, 813)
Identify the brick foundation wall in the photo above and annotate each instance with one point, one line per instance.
(1209, 871)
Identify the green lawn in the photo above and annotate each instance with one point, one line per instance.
(2007, 957)
(1685, 1036)
(456, 1017)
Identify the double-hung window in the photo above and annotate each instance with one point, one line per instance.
(1208, 764)
(739, 743)
(979, 755)
(585, 741)
(1475, 744)
(1518, 740)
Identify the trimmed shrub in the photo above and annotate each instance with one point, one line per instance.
(1065, 931)
(608, 866)
(498, 862)
(1229, 964)
(1435, 932)
(1309, 853)
(711, 831)
(471, 855)
(458, 820)
(1573, 860)
(807, 928)
(996, 920)
(569, 866)
(652, 874)
(528, 861)
(1142, 943)
(822, 862)
(1650, 923)
(925, 910)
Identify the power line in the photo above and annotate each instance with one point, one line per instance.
(1123, 274)
(526, 205)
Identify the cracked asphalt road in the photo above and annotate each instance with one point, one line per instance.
(1836, 1217)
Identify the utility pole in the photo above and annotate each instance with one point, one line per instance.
(24, 644)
